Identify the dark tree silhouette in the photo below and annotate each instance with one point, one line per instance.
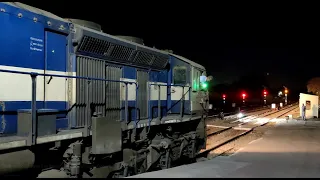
(313, 85)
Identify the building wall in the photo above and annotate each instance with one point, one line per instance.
(311, 101)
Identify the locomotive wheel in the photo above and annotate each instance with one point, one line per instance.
(167, 164)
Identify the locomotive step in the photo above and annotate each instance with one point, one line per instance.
(9, 142)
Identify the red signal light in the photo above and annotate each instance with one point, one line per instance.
(265, 92)
(244, 95)
(224, 96)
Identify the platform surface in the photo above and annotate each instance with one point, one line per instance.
(291, 149)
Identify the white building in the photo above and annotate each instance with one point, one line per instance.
(311, 103)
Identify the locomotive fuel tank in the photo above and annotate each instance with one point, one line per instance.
(16, 161)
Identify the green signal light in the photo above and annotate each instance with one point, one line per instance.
(204, 85)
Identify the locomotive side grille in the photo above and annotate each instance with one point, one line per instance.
(160, 61)
(93, 45)
(81, 92)
(112, 90)
(120, 53)
(142, 79)
(104, 96)
(89, 67)
(144, 58)
(105, 49)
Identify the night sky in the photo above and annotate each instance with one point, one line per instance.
(229, 41)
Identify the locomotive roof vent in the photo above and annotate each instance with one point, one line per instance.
(88, 24)
(132, 39)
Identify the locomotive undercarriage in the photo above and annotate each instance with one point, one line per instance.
(143, 150)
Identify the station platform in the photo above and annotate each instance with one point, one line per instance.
(289, 150)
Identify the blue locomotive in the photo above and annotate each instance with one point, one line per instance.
(95, 105)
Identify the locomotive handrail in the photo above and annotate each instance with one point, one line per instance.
(33, 98)
(181, 100)
(159, 99)
(168, 85)
(65, 76)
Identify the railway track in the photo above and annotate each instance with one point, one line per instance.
(234, 118)
(219, 136)
(267, 114)
(233, 115)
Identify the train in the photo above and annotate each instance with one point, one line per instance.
(89, 104)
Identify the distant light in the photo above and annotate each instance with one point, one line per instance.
(224, 96)
(286, 91)
(265, 92)
(240, 115)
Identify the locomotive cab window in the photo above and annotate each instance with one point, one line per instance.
(180, 75)
(197, 84)
(196, 79)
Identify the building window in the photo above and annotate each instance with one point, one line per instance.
(180, 75)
